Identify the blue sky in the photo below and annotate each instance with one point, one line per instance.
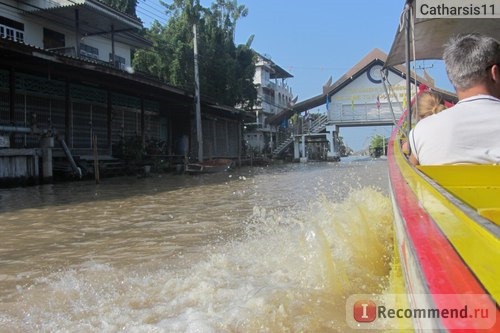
(316, 39)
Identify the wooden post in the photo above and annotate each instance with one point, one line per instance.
(96, 159)
(36, 167)
(213, 142)
(226, 122)
(12, 94)
(143, 119)
(240, 140)
(12, 105)
(109, 120)
(47, 144)
(67, 110)
(113, 62)
(77, 33)
(199, 134)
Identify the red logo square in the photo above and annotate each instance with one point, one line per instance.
(364, 311)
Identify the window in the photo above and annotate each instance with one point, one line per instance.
(119, 61)
(11, 29)
(19, 36)
(53, 39)
(88, 51)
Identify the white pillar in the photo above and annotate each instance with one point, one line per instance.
(333, 151)
(304, 153)
(296, 151)
(271, 143)
(47, 144)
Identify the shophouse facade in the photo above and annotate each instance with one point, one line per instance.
(66, 72)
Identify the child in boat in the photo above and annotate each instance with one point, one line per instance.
(428, 103)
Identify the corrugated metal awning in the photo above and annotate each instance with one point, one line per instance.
(94, 18)
(432, 34)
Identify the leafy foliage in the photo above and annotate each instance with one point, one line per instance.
(226, 70)
(125, 6)
(378, 145)
(343, 149)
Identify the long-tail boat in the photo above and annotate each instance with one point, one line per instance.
(446, 218)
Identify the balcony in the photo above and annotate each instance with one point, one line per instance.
(70, 51)
(11, 33)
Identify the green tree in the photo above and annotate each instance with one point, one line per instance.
(343, 149)
(125, 6)
(227, 13)
(378, 145)
(226, 70)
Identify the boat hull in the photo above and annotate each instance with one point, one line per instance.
(442, 244)
(210, 166)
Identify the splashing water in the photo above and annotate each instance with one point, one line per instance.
(289, 270)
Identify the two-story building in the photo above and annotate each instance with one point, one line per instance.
(273, 95)
(78, 28)
(66, 73)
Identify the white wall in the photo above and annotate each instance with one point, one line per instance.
(33, 32)
(255, 140)
(358, 100)
(261, 76)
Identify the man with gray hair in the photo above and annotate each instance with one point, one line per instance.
(468, 132)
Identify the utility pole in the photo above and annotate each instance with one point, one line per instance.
(383, 145)
(199, 135)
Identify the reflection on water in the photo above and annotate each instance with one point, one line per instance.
(262, 249)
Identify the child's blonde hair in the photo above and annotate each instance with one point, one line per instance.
(429, 103)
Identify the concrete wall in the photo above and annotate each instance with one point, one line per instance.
(19, 167)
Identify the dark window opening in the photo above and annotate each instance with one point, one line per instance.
(11, 23)
(88, 51)
(53, 39)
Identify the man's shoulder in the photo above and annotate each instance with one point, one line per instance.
(438, 117)
(436, 122)
(469, 110)
(478, 101)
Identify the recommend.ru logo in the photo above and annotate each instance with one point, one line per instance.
(423, 311)
(364, 311)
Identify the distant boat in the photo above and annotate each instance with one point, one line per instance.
(210, 166)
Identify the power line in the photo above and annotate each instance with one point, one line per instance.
(151, 7)
(146, 15)
(150, 11)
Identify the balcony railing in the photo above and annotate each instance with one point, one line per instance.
(11, 33)
(363, 113)
(71, 52)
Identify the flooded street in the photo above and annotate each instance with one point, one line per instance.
(257, 249)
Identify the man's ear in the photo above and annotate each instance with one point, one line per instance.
(495, 73)
(495, 80)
